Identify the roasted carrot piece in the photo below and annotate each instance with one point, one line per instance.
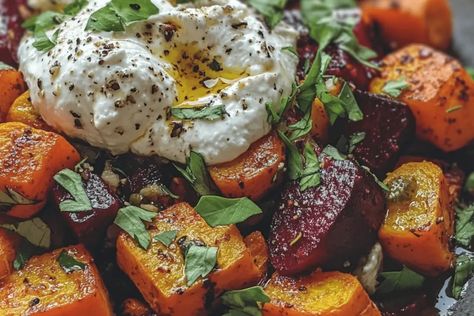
(11, 87)
(419, 221)
(258, 248)
(43, 287)
(8, 243)
(404, 22)
(440, 93)
(29, 158)
(321, 293)
(158, 271)
(253, 173)
(22, 111)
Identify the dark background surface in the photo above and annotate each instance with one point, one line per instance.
(463, 45)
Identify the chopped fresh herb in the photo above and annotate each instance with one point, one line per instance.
(314, 10)
(117, 14)
(10, 198)
(207, 113)
(302, 127)
(199, 262)
(469, 185)
(43, 22)
(218, 210)
(130, 219)
(275, 116)
(43, 43)
(294, 159)
(399, 281)
(296, 239)
(290, 49)
(349, 103)
(34, 230)
(166, 238)
(454, 108)
(75, 7)
(464, 225)
(380, 183)
(72, 183)
(333, 152)
(311, 176)
(272, 10)
(22, 253)
(355, 139)
(197, 175)
(394, 88)
(463, 271)
(247, 301)
(69, 263)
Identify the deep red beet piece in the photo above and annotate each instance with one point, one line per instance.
(10, 30)
(89, 227)
(388, 125)
(328, 224)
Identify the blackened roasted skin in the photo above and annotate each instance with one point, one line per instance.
(388, 125)
(328, 224)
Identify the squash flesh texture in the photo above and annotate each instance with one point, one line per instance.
(258, 248)
(23, 111)
(417, 229)
(43, 280)
(159, 272)
(321, 293)
(11, 87)
(8, 243)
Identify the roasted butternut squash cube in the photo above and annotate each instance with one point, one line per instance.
(29, 158)
(321, 293)
(420, 219)
(259, 250)
(23, 111)
(439, 92)
(11, 86)
(159, 271)
(9, 241)
(43, 287)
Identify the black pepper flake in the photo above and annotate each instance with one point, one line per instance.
(78, 124)
(214, 65)
(135, 6)
(137, 126)
(34, 302)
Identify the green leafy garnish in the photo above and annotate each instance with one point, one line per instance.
(464, 225)
(218, 210)
(206, 113)
(302, 127)
(43, 43)
(311, 176)
(118, 14)
(69, 263)
(34, 230)
(72, 183)
(399, 281)
(290, 49)
(470, 71)
(22, 253)
(244, 302)
(394, 88)
(275, 115)
(272, 10)
(454, 108)
(199, 262)
(463, 271)
(130, 219)
(75, 7)
(196, 174)
(355, 139)
(166, 238)
(469, 185)
(333, 152)
(294, 159)
(380, 183)
(10, 198)
(314, 10)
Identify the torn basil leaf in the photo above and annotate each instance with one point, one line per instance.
(394, 88)
(69, 263)
(399, 281)
(247, 301)
(43, 43)
(33, 230)
(166, 238)
(22, 254)
(206, 113)
(294, 159)
(334, 153)
(355, 139)
(72, 183)
(464, 225)
(199, 262)
(10, 198)
(311, 176)
(463, 271)
(197, 175)
(272, 10)
(75, 7)
(130, 219)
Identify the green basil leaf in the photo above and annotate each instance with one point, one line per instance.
(334, 153)
(311, 176)
(75, 7)
(199, 262)
(166, 238)
(247, 301)
(43, 43)
(217, 210)
(394, 88)
(10, 198)
(355, 139)
(196, 174)
(130, 219)
(302, 127)
(291, 50)
(69, 263)
(105, 19)
(294, 160)
(463, 271)
(314, 10)
(72, 183)
(207, 113)
(272, 10)
(464, 225)
(399, 281)
(275, 115)
(349, 103)
(33, 230)
(23, 253)
(43, 22)
(380, 183)
(469, 185)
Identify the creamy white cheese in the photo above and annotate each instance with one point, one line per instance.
(115, 89)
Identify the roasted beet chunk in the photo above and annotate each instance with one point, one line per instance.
(328, 224)
(387, 124)
(89, 227)
(10, 30)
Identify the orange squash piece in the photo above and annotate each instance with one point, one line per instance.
(159, 271)
(318, 294)
(420, 219)
(29, 158)
(404, 22)
(9, 241)
(11, 87)
(23, 111)
(440, 94)
(253, 173)
(321, 123)
(42, 287)
(258, 248)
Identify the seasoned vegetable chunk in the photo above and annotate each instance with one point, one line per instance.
(259, 250)
(439, 92)
(321, 293)
(22, 111)
(29, 158)
(328, 224)
(11, 87)
(159, 271)
(419, 221)
(404, 22)
(54, 284)
(8, 243)
(253, 173)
